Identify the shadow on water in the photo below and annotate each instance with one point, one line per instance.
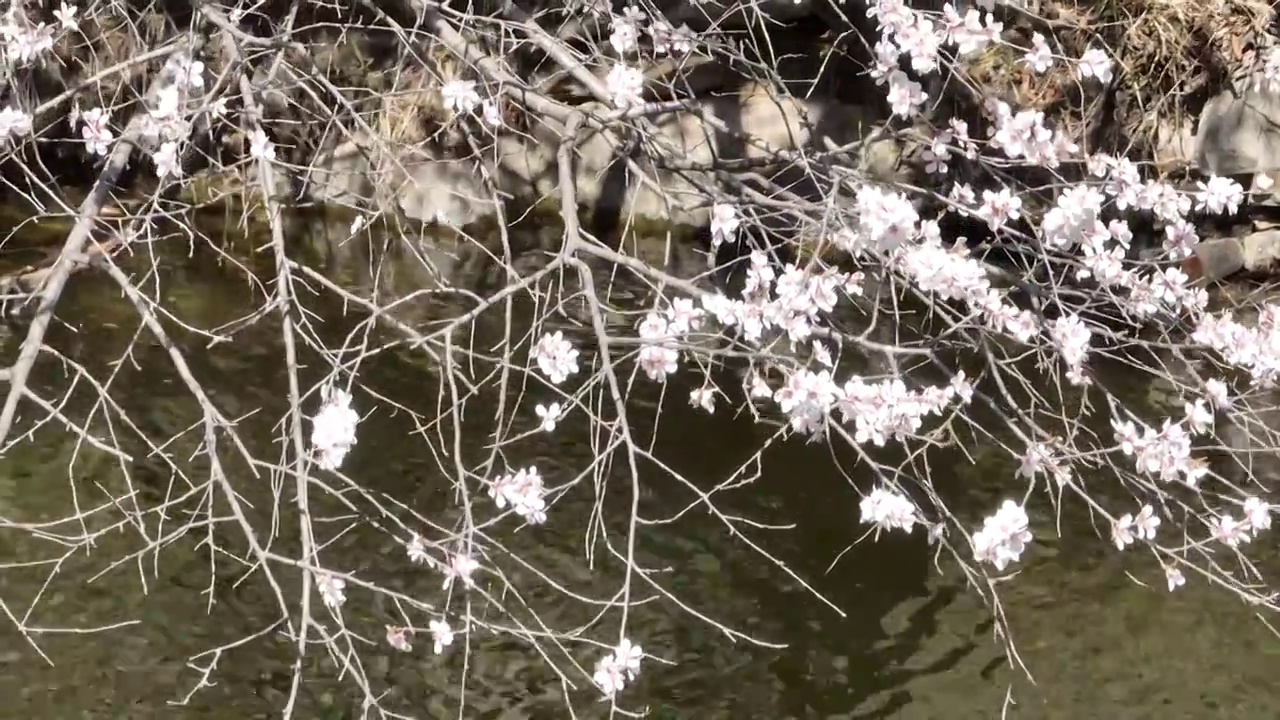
(913, 643)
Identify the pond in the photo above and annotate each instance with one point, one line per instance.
(130, 588)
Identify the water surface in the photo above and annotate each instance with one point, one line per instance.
(913, 641)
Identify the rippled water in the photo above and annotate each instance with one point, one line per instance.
(909, 640)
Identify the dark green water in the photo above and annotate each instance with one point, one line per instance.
(914, 641)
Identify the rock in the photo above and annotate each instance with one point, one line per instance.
(1175, 145)
(1261, 251)
(1239, 133)
(679, 195)
(1214, 260)
(451, 194)
(1218, 259)
(524, 167)
(342, 176)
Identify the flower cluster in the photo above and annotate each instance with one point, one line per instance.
(616, 669)
(1041, 458)
(1164, 453)
(14, 123)
(659, 358)
(808, 398)
(1003, 537)
(666, 39)
(333, 429)
(1071, 337)
(1233, 533)
(950, 273)
(1128, 527)
(886, 221)
(888, 409)
(887, 509)
(524, 492)
(906, 31)
(791, 301)
(878, 410)
(556, 357)
(1254, 348)
(96, 131)
(167, 123)
(625, 83)
(24, 42)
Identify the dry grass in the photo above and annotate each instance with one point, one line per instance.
(1171, 56)
(411, 108)
(413, 112)
(1177, 53)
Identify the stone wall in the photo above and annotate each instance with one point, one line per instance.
(669, 180)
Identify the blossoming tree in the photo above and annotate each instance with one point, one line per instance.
(990, 300)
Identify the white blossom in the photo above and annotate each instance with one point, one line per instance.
(1003, 536)
(1257, 514)
(260, 146)
(887, 509)
(24, 44)
(188, 71)
(460, 567)
(625, 36)
(1199, 417)
(168, 102)
(1122, 531)
(1230, 531)
(491, 113)
(96, 132)
(625, 84)
(1145, 523)
(441, 635)
(14, 123)
(1094, 63)
(1039, 58)
(460, 96)
(167, 161)
(66, 15)
(549, 415)
(398, 638)
(416, 548)
(1218, 393)
(333, 429)
(332, 589)
(616, 669)
(704, 398)
(724, 223)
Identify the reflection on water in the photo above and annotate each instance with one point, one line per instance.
(913, 642)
